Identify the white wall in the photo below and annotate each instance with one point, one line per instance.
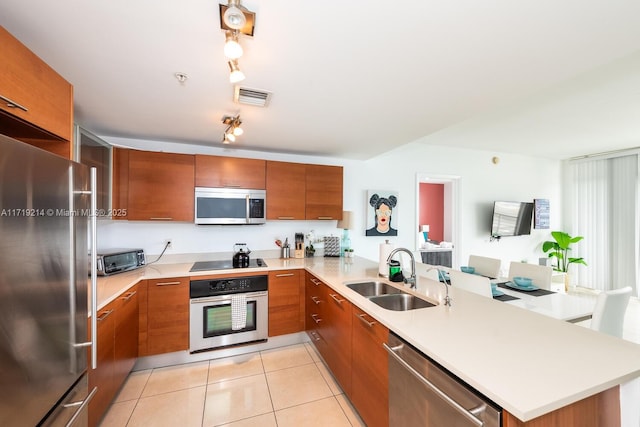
(515, 177)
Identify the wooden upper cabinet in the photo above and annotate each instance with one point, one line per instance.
(286, 188)
(323, 192)
(36, 103)
(233, 172)
(160, 186)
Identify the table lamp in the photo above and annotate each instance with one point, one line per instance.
(345, 223)
(425, 232)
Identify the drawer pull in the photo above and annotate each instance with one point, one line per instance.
(315, 318)
(285, 217)
(316, 282)
(315, 336)
(167, 283)
(129, 295)
(161, 218)
(362, 318)
(325, 217)
(336, 299)
(285, 275)
(104, 315)
(13, 104)
(316, 300)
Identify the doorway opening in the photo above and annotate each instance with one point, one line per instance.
(438, 215)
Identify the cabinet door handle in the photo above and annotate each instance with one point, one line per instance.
(13, 104)
(315, 318)
(129, 295)
(285, 217)
(161, 218)
(362, 318)
(325, 217)
(167, 283)
(316, 300)
(315, 336)
(104, 315)
(285, 275)
(315, 281)
(336, 299)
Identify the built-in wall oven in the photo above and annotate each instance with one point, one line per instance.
(214, 312)
(422, 393)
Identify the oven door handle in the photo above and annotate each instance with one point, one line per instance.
(227, 298)
(455, 405)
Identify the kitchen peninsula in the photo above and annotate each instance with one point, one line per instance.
(527, 363)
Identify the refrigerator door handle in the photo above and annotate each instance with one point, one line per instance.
(82, 405)
(94, 272)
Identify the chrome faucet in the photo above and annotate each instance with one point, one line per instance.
(447, 298)
(411, 280)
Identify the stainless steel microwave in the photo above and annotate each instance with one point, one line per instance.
(230, 206)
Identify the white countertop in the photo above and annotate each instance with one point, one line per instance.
(526, 362)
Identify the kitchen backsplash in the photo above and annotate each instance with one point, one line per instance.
(187, 238)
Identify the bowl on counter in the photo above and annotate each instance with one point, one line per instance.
(523, 281)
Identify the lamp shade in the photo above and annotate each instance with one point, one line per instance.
(346, 222)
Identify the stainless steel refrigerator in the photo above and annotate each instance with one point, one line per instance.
(45, 219)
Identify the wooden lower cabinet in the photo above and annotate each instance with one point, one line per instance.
(328, 324)
(370, 369)
(167, 328)
(599, 410)
(337, 332)
(126, 335)
(286, 302)
(117, 351)
(315, 305)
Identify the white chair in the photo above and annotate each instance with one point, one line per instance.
(608, 314)
(471, 282)
(429, 271)
(539, 274)
(485, 266)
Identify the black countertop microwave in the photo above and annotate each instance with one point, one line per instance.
(230, 206)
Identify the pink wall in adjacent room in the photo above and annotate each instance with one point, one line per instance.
(432, 209)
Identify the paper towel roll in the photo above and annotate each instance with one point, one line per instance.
(385, 250)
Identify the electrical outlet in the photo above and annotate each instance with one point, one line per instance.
(167, 243)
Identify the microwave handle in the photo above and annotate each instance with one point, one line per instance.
(247, 209)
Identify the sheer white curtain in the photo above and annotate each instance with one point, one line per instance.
(602, 205)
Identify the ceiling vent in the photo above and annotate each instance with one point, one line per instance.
(255, 97)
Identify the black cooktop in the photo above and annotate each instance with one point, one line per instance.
(225, 265)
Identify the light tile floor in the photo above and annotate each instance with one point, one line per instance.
(287, 386)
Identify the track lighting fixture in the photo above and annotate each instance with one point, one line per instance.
(233, 128)
(235, 19)
(232, 48)
(236, 75)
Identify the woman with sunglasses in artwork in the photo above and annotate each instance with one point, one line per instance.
(383, 206)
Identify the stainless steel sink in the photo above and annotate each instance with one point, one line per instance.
(373, 288)
(400, 302)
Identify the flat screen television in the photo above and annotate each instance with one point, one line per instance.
(511, 218)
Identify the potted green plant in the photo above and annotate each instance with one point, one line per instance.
(559, 249)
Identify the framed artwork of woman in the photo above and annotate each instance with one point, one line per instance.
(380, 219)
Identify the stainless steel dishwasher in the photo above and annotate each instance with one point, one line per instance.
(422, 393)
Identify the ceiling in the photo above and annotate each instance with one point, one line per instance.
(352, 79)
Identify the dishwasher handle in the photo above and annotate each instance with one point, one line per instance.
(455, 405)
